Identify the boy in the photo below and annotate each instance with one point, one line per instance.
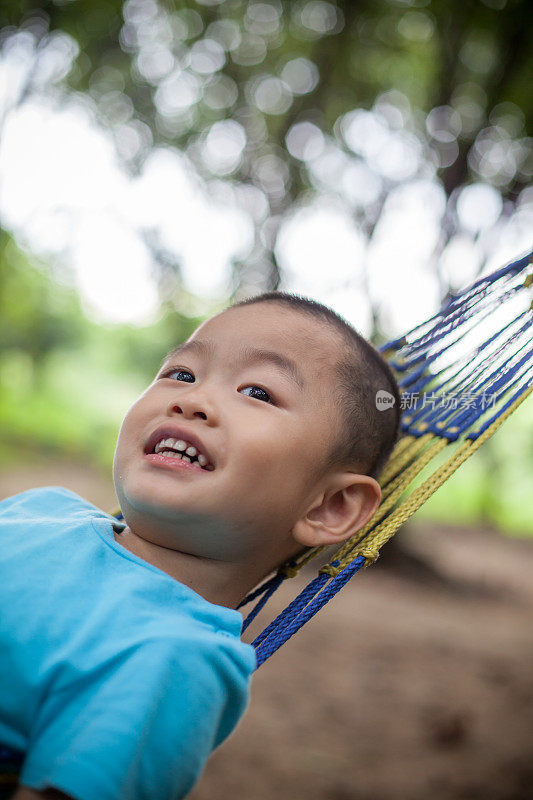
(122, 662)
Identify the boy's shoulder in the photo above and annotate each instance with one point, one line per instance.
(45, 501)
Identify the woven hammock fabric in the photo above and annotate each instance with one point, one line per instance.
(461, 374)
(473, 355)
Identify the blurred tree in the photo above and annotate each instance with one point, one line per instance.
(42, 325)
(293, 99)
(37, 314)
(285, 101)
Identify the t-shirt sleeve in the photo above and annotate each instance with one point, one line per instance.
(144, 725)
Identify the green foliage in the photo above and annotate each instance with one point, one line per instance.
(66, 382)
(472, 59)
(36, 313)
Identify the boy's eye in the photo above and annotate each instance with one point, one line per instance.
(181, 375)
(257, 393)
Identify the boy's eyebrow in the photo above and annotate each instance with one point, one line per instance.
(249, 355)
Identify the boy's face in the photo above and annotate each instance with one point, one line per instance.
(255, 390)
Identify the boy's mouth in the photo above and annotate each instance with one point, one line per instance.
(174, 461)
(178, 447)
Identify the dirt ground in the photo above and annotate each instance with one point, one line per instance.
(407, 686)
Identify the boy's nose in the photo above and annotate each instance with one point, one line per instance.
(179, 410)
(192, 407)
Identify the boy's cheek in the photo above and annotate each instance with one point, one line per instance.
(128, 452)
(134, 426)
(121, 458)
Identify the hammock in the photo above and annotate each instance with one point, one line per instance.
(461, 374)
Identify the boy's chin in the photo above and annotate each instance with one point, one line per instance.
(188, 531)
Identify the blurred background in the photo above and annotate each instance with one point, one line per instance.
(160, 158)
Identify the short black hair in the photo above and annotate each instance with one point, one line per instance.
(368, 434)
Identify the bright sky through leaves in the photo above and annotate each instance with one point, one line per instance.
(65, 194)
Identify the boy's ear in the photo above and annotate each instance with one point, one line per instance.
(345, 507)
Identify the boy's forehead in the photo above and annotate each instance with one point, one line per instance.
(269, 326)
(275, 326)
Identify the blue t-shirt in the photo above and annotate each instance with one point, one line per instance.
(116, 680)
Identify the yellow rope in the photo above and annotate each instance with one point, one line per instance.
(400, 484)
(399, 458)
(401, 444)
(436, 444)
(406, 461)
(410, 444)
(371, 546)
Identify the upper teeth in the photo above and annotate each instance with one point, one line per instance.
(182, 447)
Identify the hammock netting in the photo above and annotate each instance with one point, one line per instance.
(461, 374)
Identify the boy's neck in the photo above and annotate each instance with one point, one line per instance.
(220, 582)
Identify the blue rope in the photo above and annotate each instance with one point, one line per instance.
(294, 608)
(256, 592)
(447, 325)
(440, 419)
(479, 315)
(269, 645)
(457, 300)
(467, 359)
(470, 415)
(275, 582)
(476, 381)
(525, 385)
